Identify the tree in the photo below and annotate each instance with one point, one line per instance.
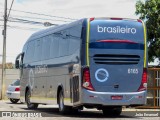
(149, 11)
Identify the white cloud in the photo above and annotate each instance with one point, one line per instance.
(81, 8)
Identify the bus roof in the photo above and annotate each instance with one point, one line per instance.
(53, 29)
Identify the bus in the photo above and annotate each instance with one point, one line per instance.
(92, 62)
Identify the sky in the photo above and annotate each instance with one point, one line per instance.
(55, 12)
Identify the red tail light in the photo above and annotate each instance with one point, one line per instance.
(116, 19)
(139, 20)
(117, 41)
(91, 19)
(17, 89)
(143, 85)
(86, 79)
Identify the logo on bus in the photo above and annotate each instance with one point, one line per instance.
(101, 75)
(116, 29)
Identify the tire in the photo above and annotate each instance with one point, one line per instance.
(112, 111)
(62, 108)
(14, 100)
(74, 111)
(29, 104)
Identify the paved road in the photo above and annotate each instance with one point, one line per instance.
(51, 112)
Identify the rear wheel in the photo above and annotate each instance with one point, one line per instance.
(112, 111)
(29, 104)
(62, 108)
(14, 100)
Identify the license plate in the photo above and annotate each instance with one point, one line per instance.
(9, 93)
(117, 97)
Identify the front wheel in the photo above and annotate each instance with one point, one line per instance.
(29, 104)
(14, 100)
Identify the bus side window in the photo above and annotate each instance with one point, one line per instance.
(38, 49)
(74, 45)
(54, 47)
(24, 53)
(74, 39)
(63, 45)
(21, 60)
(46, 47)
(30, 52)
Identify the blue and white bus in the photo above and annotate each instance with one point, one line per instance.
(94, 63)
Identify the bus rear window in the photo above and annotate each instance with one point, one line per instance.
(116, 30)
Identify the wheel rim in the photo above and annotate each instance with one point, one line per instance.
(61, 104)
(13, 100)
(28, 98)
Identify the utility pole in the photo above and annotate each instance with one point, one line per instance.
(4, 52)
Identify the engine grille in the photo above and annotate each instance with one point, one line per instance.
(116, 59)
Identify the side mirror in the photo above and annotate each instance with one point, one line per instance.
(17, 64)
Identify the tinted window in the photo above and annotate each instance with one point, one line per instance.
(38, 50)
(16, 83)
(63, 46)
(24, 50)
(30, 51)
(46, 47)
(54, 48)
(74, 44)
(116, 30)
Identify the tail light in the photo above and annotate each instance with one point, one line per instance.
(17, 89)
(86, 79)
(139, 20)
(117, 41)
(143, 85)
(91, 19)
(116, 19)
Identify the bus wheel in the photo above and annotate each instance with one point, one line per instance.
(112, 111)
(14, 100)
(62, 108)
(29, 104)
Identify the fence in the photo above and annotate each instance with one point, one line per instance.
(153, 89)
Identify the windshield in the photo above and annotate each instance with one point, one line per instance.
(16, 83)
(116, 30)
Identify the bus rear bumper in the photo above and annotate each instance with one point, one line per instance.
(113, 98)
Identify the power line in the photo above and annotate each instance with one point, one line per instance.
(28, 21)
(10, 9)
(32, 22)
(25, 21)
(21, 28)
(43, 14)
(39, 18)
(35, 22)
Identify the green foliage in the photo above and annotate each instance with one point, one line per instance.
(149, 11)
